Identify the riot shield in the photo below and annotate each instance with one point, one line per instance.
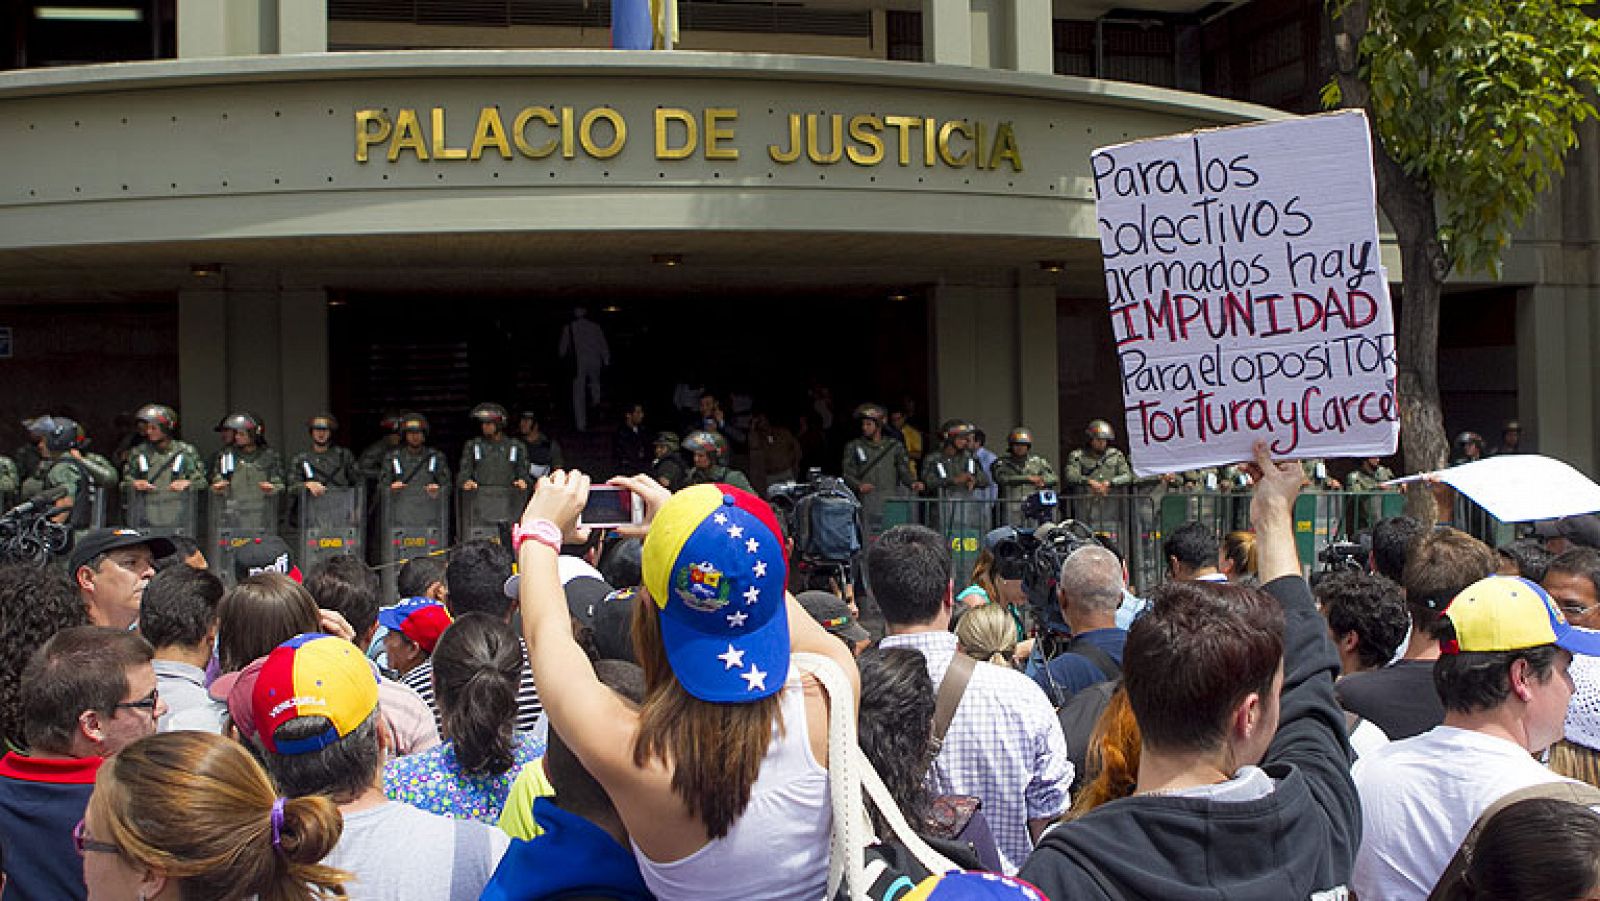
(412, 524)
(330, 525)
(481, 510)
(162, 511)
(239, 515)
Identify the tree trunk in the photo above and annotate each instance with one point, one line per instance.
(1409, 205)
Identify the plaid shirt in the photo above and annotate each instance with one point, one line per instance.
(1004, 745)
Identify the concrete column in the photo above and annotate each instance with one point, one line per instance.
(302, 26)
(1557, 400)
(1038, 401)
(1032, 42)
(995, 359)
(255, 365)
(947, 32)
(990, 34)
(202, 363)
(303, 358)
(227, 28)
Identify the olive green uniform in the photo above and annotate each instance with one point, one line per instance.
(10, 479)
(883, 464)
(734, 477)
(249, 467)
(334, 468)
(65, 472)
(939, 471)
(1316, 471)
(1197, 480)
(411, 506)
(244, 505)
(495, 463)
(1361, 480)
(1084, 466)
(159, 507)
(1015, 477)
(101, 469)
(669, 472)
(370, 463)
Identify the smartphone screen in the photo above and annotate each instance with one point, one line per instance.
(608, 505)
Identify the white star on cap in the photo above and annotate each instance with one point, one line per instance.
(761, 568)
(752, 545)
(755, 679)
(751, 595)
(735, 531)
(736, 619)
(720, 519)
(732, 658)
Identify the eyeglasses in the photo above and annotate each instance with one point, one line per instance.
(148, 702)
(85, 844)
(1573, 611)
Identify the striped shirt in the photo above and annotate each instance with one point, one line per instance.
(529, 710)
(1004, 745)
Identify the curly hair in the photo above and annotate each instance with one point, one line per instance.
(34, 605)
(897, 706)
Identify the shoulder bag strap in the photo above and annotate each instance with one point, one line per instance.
(951, 688)
(1096, 656)
(1576, 792)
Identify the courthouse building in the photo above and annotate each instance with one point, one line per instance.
(291, 205)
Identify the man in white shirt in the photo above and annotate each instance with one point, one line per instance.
(1004, 743)
(1502, 675)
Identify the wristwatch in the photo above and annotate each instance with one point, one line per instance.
(543, 531)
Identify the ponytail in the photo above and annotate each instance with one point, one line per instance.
(477, 669)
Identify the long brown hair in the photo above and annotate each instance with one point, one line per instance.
(199, 807)
(715, 750)
(259, 614)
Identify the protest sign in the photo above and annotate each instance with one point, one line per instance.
(1246, 295)
(1521, 487)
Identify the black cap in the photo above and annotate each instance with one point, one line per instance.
(101, 541)
(584, 594)
(268, 554)
(613, 625)
(831, 612)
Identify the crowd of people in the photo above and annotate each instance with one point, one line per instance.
(660, 710)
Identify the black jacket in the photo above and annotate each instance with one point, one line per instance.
(1297, 843)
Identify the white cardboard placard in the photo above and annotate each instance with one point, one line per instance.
(1522, 487)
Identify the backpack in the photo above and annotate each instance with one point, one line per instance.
(1078, 718)
(827, 523)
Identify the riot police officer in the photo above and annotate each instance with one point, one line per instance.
(1369, 476)
(1097, 467)
(875, 466)
(10, 481)
(1317, 477)
(325, 465)
(492, 458)
(62, 466)
(249, 461)
(1021, 472)
(667, 467)
(161, 462)
(370, 462)
(707, 450)
(544, 453)
(953, 471)
(414, 462)
(99, 465)
(1468, 448)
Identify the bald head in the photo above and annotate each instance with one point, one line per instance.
(1090, 588)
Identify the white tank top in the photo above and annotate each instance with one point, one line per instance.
(778, 849)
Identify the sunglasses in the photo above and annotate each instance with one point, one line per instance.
(85, 844)
(148, 702)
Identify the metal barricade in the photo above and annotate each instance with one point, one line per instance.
(412, 523)
(329, 525)
(238, 516)
(162, 511)
(962, 521)
(481, 511)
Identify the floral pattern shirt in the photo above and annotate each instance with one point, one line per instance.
(434, 781)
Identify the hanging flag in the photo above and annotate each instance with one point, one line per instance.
(632, 24)
(664, 13)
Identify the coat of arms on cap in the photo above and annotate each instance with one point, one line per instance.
(702, 587)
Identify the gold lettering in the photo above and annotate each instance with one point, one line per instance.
(1005, 148)
(977, 145)
(519, 128)
(863, 130)
(957, 126)
(786, 157)
(490, 130)
(714, 135)
(568, 148)
(904, 124)
(407, 136)
(619, 131)
(835, 147)
(667, 115)
(366, 137)
(930, 137)
(440, 151)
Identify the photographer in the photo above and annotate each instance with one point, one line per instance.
(1089, 592)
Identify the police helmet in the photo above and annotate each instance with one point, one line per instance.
(872, 411)
(390, 422)
(952, 429)
(1511, 426)
(39, 426)
(1020, 435)
(1099, 428)
(1466, 438)
(159, 414)
(670, 439)
(490, 413)
(323, 421)
(81, 442)
(60, 434)
(415, 422)
(242, 422)
(711, 444)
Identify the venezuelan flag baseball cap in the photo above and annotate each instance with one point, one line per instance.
(958, 886)
(313, 675)
(422, 620)
(1509, 613)
(714, 565)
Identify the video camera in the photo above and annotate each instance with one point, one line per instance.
(1346, 556)
(823, 517)
(1035, 556)
(29, 532)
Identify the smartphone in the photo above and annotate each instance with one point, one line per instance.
(609, 507)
